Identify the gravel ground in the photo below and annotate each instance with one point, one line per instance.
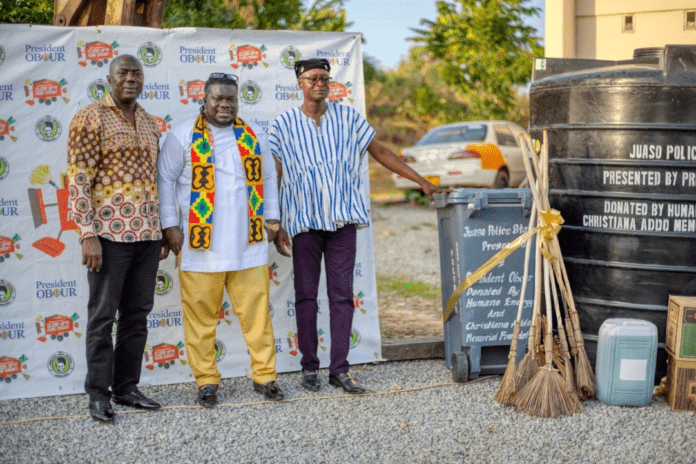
(406, 242)
(414, 414)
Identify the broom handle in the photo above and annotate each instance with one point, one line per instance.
(548, 341)
(536, 308)
(526, 265)
(531, 344)
(556, 305)
(556, 250)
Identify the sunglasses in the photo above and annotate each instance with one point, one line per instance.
(218, 75)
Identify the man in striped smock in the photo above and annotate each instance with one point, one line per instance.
(319, 149)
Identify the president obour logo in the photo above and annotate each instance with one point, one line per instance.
(48, 129)
(288, 92)
(56, 289)
(11, 330)
(6, 92)
(7, 293)
(98, 90)
(289, 56)
(197, 55)
(335, 57)
(164, 318)
(45, 52)
(60, 364)
(150, 54)
(250, 92)
(155, 91)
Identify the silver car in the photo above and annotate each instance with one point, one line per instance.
(467, 154)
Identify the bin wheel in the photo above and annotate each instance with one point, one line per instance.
(460, 367)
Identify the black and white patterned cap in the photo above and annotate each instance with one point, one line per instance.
(303, 66)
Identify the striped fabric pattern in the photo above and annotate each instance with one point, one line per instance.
(321, 187)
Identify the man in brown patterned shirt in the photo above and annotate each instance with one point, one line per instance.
(112, 156)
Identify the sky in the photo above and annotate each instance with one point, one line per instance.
(386, 24)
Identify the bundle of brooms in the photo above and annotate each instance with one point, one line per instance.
(555, 373)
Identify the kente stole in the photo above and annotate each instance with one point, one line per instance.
(203, 182)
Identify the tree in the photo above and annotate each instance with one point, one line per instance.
(26, 11)
(484, 48)
(322, 15)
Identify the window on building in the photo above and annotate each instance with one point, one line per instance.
(627, 23)
(690, 23)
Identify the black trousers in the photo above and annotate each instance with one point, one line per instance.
(338, 249)
(125, 283)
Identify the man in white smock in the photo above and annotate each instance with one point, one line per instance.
(217, 171)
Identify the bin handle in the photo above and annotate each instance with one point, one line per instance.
(473, 209)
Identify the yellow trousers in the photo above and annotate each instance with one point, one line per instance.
(201, 298)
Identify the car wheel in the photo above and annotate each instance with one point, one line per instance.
(502, 180)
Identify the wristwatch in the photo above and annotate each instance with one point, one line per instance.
(271, 227)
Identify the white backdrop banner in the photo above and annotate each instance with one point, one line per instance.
(46, 75)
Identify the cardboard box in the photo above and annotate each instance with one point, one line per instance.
(680, 340)
(681, 384)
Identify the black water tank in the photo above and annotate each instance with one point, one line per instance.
(622, 168)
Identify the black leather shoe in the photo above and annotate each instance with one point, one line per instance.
(135, 399)
(207, 395)
(271, 390)
(310, 380)
(346, 382)
(101, 410)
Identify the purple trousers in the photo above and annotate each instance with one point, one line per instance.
(338, 249)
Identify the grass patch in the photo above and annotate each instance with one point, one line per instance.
(409, 289)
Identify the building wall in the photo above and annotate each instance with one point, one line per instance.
(593, 29)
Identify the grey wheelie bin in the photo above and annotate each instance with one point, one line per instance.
(473, 225)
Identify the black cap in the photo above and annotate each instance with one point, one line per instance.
(303, 66)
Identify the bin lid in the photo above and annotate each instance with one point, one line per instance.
(478, 198)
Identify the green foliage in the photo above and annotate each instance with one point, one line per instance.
(409, 289)
(26, 11)
(201, 13)
(322, 15)
(483, 48)
(370, 69)
(416, 196)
